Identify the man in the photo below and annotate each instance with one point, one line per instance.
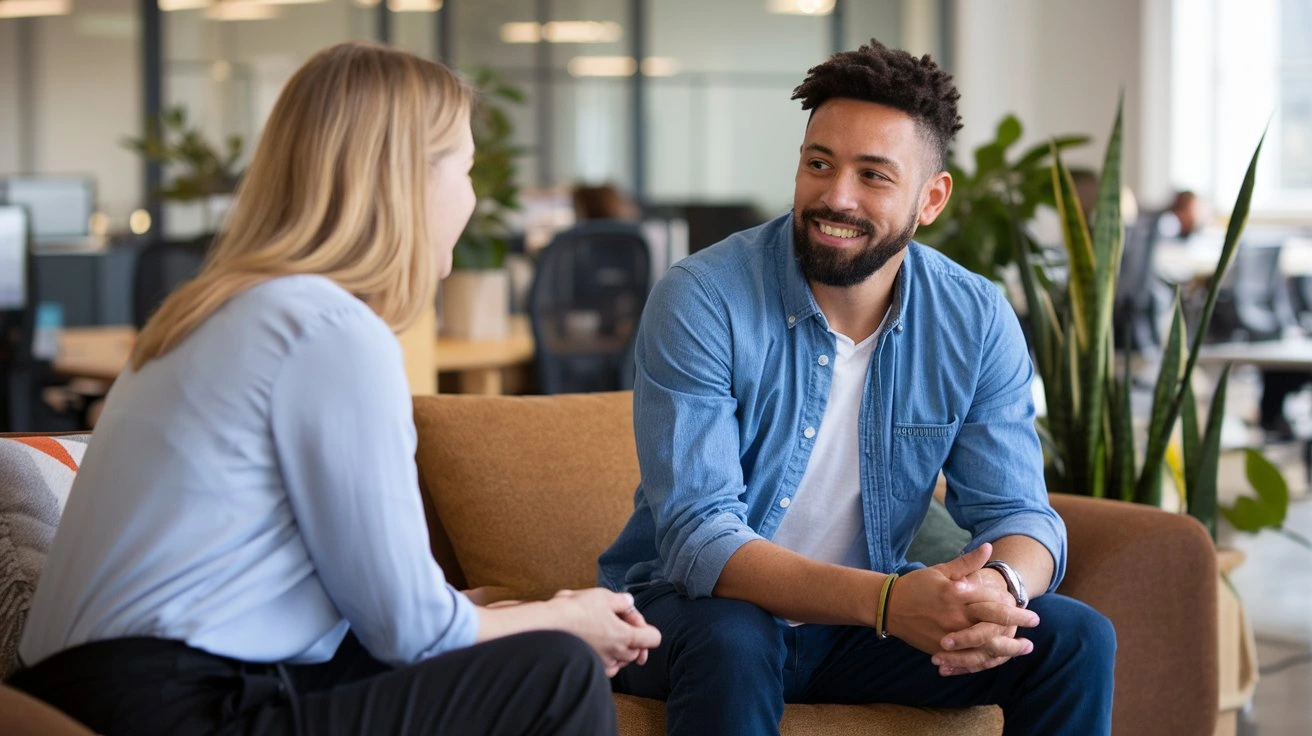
(799, 387)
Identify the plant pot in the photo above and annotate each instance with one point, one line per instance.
(476, 304)
(1237, 652)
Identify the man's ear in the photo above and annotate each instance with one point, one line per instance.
(934, 196)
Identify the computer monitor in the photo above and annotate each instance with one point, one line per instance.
(60, 207)
(13, 258)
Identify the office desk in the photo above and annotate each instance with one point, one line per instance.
(1195, 259)
(1278, 355)
(101, 353)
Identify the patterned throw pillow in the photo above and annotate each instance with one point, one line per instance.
(36, 473)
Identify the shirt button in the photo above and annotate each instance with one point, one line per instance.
(823, 360)
(792, 320)
(784, 503)
(809, 432)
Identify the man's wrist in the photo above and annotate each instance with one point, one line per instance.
(1015, 585)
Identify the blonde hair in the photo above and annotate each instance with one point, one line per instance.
(336, 187)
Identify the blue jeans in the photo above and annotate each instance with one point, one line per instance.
(726, 667)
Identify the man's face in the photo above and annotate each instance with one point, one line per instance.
(865, 180)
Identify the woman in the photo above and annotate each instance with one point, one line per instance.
(244, 549)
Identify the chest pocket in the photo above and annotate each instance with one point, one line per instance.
(919, 451)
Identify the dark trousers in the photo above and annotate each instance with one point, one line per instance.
(727, 667)
(1276, 387)
(541, 682)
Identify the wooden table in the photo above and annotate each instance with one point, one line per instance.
(479, 362)
(101, 353)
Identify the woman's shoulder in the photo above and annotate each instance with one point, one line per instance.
(297, 305)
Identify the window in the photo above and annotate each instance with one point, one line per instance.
(1237, 64)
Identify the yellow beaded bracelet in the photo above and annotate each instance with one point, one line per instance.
(881, 614)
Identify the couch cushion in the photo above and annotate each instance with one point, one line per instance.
(36, 474)
(531, 489)
(645, 717)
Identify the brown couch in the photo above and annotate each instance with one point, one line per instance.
(525, 492)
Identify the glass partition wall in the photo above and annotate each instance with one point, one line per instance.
(704, 115)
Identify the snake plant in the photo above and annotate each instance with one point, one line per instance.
(1088, 431)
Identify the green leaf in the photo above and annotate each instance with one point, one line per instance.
(989, 158)
(1041, 151)
(1190, 437)
(1009, 131)
(1123, 455)
(1238, 219)
(1267, 510)
(1161, 423)
(1202, 501)
(1079, 250)
(1269, 484)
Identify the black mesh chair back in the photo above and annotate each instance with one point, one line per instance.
(1135, 314)
(162, 267)
(588, 293)
(1254, 299)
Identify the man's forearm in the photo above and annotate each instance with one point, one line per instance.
(1029, 558)
(795, 587)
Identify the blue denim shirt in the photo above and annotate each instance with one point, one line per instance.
(733, 369)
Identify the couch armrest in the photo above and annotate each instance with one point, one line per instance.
(23, 715)
(1154, 575)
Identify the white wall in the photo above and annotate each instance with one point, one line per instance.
(1059, 66)
(10, 160)
(86, 96)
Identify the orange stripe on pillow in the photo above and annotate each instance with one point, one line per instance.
(51, 447)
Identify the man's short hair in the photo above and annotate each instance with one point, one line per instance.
(892, 77)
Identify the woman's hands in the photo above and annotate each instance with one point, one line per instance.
(606, 620)
(610, 624)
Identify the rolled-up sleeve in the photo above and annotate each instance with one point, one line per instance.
(994, 471)
(345, 436)
(687, 432)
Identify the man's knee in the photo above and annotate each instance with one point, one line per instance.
(735, 634)
(1078, 631)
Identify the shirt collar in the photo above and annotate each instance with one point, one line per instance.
(799, 302)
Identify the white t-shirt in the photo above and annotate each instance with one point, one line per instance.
(825, 520)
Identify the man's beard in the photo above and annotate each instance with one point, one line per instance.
(834, 267)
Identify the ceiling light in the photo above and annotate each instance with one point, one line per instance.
(802, 7)
(602, 66)
(171, 5)
(528, 32)
(581, 31)
(414, 6)
(34, 8)
(562, 31)
(659, 66)
(283, 2)
(621, 66)
(241, 10)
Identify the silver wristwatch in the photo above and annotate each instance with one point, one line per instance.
(1015, 585)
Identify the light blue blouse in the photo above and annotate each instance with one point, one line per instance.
(254, 494)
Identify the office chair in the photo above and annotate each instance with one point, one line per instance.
(18, 366)
(587, 296)
(1254, 300)
(1137, 288)
(162, 267)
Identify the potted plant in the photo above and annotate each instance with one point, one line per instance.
(1089, 434)
(975, 229)
(476, 296)
(201, 174)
